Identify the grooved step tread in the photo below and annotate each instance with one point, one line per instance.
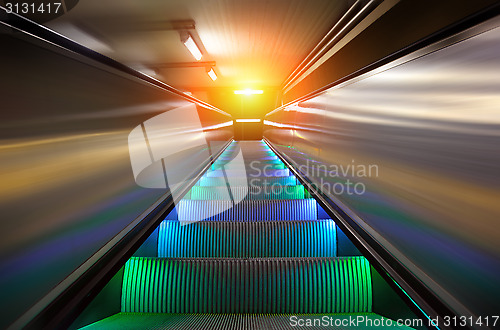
(284, 239)
(246, 192)
(252, 166)
(263, 157)
(247, 210)
(298, 285)
(150, 321)
(250, 174)
(246, 181)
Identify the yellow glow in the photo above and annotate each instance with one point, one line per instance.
(249, 91)
(193, 48)
(212, 74)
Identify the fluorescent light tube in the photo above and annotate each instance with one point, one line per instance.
(212, 74)
(248, 120)
(193, 48)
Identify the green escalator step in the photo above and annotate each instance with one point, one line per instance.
(289, 285)
(258, 257)
(247, 193)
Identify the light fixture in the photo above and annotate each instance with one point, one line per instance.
(193, 48)
(248, 120)
(249, 91)
(211, 73)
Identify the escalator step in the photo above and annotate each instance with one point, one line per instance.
(257, 157)
(322, 285)
(244, 211)
(244, 181)
(250, 159)
(247, 193)
(152, 321)
(286, 239)
(254, 165)
(254, 173)
(264, 157)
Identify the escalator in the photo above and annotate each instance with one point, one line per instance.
(91, 238)
(247, 247)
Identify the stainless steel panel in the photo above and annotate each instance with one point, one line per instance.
(412, 151)
(67, 184)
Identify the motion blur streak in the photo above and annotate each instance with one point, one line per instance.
(48, 169)
(67, 184)
(433, 130)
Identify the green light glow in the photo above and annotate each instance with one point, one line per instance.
(153, 285)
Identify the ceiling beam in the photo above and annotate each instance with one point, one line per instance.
(183, 65)
(178, 25)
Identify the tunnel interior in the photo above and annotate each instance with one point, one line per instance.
(250, 165)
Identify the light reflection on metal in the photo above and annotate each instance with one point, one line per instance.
(221, 125)
(431, 123)
(158, 138)
(275, 124)
(165, 149)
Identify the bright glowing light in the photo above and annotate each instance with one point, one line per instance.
(212, 74)
(227, 123)
(193, 48)
(248, 120)
(249, 91)
(275, 124)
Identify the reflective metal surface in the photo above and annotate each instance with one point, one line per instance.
(412, 151)
(67, 183)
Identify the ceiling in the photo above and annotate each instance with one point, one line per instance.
(255, 43)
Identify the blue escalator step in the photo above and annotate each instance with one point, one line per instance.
(259, 165)
(197, 210)
(280, 239)
(270, 157)
(242, 172)
(244, 181)
(246, 192)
